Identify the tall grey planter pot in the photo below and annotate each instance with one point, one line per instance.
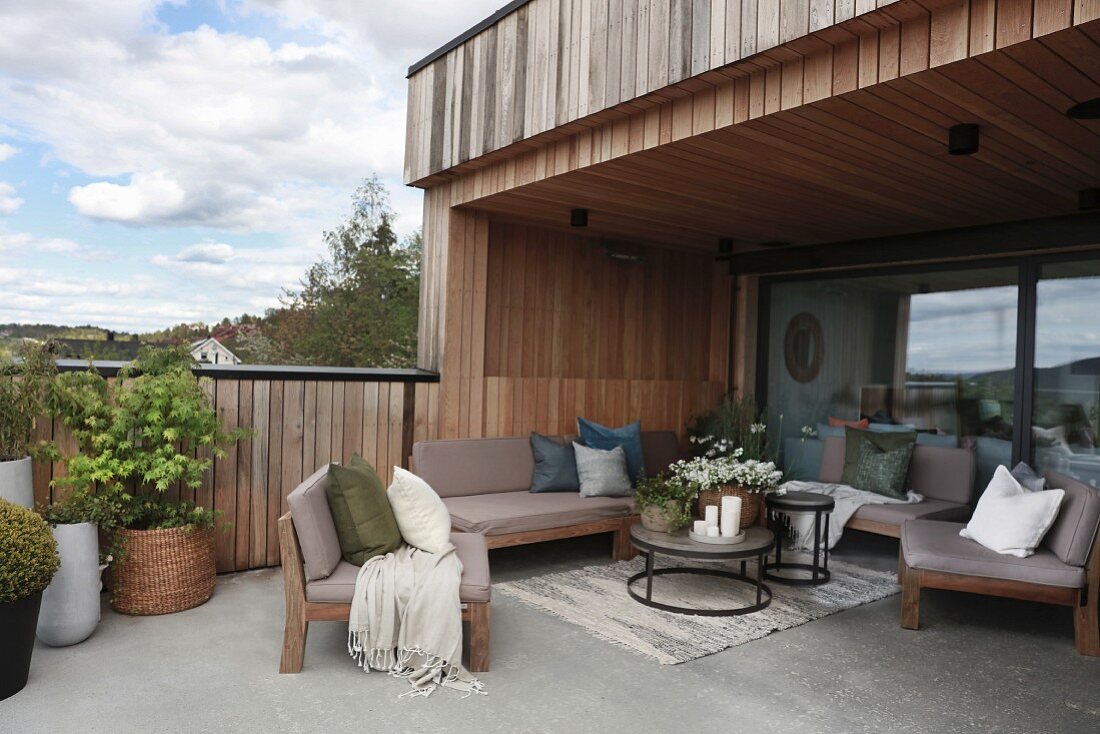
(17, 482)
(70, 604)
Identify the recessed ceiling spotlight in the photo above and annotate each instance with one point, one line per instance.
(1088, 199)
(1087, 110)
(962, 139)
(578, 217)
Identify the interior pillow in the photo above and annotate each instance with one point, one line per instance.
(882, 472)
(1051, 438)
(885, 442)
(555, 465)
(841, 423)
(365, 525)
(421, 515)
(602, 473)
(1028, 478)
(1010, 520)
(629, 437)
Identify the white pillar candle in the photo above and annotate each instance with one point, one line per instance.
(710, 514)
(731, 516)
(712, 531)
(700, 527)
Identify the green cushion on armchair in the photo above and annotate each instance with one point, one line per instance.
(365, 525)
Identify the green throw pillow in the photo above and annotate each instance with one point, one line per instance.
(882, 472)
(885, 442)
(365, 525)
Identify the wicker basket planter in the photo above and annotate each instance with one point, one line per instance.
(163, 571)
(751, 502)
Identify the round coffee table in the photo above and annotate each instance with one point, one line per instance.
(799, 503)
(757, 543)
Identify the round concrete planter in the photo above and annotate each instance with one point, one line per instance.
(17, 482)
(17, 621)
(70, 604)
(660, 518)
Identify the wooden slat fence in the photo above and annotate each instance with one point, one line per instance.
(302, 421)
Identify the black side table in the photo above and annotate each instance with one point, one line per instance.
(799, 503)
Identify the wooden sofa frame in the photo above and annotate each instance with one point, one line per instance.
(300, 612)
(1084, 600)
(621, 549)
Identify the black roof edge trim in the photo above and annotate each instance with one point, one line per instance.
(271, 372)
(466, 36)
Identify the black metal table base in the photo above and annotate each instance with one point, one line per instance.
(818, 576)
(819, 573)
(763, 593)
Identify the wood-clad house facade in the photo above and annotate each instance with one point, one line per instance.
(809, 134)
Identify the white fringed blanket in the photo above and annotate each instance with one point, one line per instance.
(406, 620)
(847, 499)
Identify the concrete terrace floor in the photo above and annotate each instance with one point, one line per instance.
(978, 664)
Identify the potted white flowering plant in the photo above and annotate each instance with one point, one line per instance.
(729, 476)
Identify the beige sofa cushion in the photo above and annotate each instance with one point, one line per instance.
(515, 512)
(928, 510)
(314, 526)
(475, 587)
(1071, 536)
(931, 545)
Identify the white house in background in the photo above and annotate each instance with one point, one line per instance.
(212, 351)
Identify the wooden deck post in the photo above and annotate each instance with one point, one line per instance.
(480, 621)
(910, 596)
(294, 587)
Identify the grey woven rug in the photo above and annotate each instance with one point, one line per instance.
(595, 599)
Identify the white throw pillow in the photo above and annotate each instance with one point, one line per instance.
(1009, 519)
(421, 516)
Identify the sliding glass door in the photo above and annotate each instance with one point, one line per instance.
(1066, 396)
(1002, 358)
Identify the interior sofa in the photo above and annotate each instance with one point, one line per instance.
(1065, 568)
(944, 476)
(485, 484)
(319, 584)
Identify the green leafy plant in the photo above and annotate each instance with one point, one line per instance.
(736, 423)
(137, 437)
(23, 385)
(28, 550)
(661, 491)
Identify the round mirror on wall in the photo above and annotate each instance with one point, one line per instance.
(804, 347)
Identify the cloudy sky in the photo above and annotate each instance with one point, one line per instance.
(171, 160)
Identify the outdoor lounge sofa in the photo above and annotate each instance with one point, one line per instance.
(485, 484)
(310, 549)
(1065, 568)
(944, 476)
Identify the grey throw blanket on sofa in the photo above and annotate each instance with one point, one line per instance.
(847, 500)
(406, 620)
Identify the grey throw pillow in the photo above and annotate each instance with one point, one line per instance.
(1028, 478)
(555, 465)
(882, 472)
(602, 473)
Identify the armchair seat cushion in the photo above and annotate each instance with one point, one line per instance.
(932, 545)
(927, 509)
(516, 512)
(339, 587)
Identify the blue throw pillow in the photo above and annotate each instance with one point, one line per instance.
(555, 466)
(946, 441)
(629, 437)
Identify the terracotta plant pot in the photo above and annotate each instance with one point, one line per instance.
(18, 620)
(163, 571)
(661, 518)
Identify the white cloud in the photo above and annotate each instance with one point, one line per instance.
(261, 273)
(147, 198)
(19, 243)
(9, 202)
(6, 150)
